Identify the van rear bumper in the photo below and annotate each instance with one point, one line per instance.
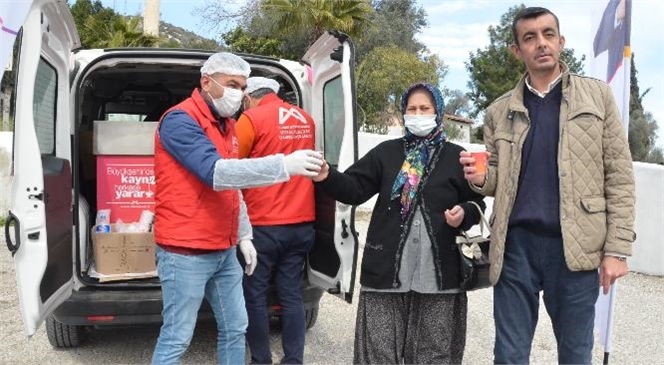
(136, 307)
(111, 308)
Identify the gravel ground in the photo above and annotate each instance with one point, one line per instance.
(638, 330)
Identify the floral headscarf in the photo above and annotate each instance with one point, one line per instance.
(417, 150)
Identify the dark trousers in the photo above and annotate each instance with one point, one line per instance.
(534, 264)
(281, 249)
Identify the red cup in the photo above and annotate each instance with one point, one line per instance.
(480, 162)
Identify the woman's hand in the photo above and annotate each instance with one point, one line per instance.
(454, 216)
(322, 174)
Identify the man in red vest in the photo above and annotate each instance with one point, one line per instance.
(200, 216)
(283, 229)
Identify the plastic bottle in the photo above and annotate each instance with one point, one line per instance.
(103, 221)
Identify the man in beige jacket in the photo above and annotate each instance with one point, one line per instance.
(561, 174)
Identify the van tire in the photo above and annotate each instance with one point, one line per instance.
(63, 335)
(310, 317)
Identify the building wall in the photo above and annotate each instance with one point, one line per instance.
(465, 131)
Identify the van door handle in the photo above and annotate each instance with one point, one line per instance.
(8, 240)
(41, 197)
(344, 229)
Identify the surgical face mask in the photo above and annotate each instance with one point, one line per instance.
(420, 125)
(228, 104)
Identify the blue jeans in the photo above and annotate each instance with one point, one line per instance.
(282, 250)
(185, 281)
(535, 263)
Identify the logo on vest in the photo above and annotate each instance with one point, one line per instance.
(284, 114)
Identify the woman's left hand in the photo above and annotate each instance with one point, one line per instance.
(454, 216)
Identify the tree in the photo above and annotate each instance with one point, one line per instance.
(384, 75)
(494, 70)
(258, 30)
(393, 22)
(642, 126)
(456, 103)
(291, 25)
(123, 32)
(317, 16)
(81, 10)
(238, 40)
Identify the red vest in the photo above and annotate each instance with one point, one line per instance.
(188, 213)
(281, 128)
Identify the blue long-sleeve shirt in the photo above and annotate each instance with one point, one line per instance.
(184, 139)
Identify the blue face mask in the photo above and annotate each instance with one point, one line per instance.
(420, 125)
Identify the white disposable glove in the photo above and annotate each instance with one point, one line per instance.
(303, 162)
(249, 253)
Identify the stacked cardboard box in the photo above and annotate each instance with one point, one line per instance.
(125, 185)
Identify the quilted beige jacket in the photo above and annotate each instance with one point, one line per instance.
(595, 171)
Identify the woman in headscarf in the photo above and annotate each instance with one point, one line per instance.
(410, 308)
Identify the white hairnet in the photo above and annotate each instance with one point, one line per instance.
(227, 64)
(255, 83)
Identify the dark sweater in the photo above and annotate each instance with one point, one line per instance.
(442, 187)
(537, 204)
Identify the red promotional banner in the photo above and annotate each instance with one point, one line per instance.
(125, 185)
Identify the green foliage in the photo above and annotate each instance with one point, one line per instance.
(239, 40)
(642, 126)
(270, 28)
(317, 16)
(384, 74)
(170, 43)
(82, 10)
(477, 135)
(203, 43)
(494, 70)
(9, 127)
(393, 22)
(456, 103)
(101, 27)
(122, 32)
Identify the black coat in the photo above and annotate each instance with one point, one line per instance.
(442, 187)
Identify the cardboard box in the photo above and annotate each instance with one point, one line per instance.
(125, 185)
(123, 253)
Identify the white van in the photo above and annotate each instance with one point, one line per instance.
(61, 92)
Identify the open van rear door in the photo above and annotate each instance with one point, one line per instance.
(41, 193)
(332, 261)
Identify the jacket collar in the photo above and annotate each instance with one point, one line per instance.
(269, 98)
(516, 99)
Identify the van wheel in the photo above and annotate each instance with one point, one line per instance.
(310, 317)
(63, 335)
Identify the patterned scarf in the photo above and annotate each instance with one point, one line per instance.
(417, 150)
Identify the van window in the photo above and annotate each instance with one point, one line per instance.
(44, 107)
(125, 117)
(334, 119)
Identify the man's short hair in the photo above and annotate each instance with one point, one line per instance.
(259, 93)
(531, 13)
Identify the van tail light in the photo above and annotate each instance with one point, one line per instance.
(100, 318)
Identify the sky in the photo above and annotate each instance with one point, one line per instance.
(457, 27)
